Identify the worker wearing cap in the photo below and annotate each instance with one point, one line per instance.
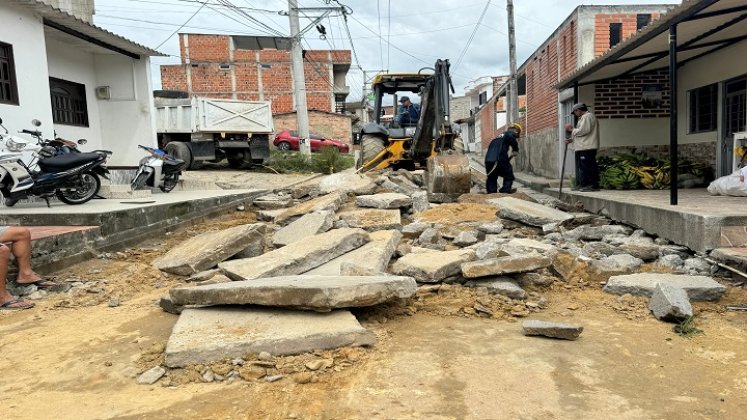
(584, 139)
(408, 113)
(498, 160)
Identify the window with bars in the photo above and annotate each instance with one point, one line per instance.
(68, 102)
(615, 33)
(702, 109)
(8, 86)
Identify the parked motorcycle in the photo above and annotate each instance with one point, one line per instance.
(73, 177)
(158, 169)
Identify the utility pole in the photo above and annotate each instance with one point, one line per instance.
(364, 102)
(512, 108)
(299, 80)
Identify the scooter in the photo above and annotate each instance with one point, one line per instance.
(73, 178)
(158, 169)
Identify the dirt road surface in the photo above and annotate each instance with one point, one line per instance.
(74, 357)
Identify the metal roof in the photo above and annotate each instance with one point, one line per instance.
(65, 22)
(703, 27)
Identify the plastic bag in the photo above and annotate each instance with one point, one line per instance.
(728, 185)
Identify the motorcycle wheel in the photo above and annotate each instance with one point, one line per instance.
(82, 192)
(169, 183)
(139, 182)
(10, 202)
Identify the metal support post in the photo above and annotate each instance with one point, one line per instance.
(673, 158)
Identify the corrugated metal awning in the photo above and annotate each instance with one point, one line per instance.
(703, 27)
(65, 22)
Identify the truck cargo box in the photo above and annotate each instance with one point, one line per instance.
(207, 115)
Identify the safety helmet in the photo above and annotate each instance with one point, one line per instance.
(516, 126)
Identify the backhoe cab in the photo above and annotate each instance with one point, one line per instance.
(429, 144)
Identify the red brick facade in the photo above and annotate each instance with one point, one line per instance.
(623, 98)
(210, 67)
(602, 28)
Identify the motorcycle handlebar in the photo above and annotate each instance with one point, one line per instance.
(35, 133)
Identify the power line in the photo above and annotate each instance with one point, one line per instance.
(183, 24)
(187, 3)
(381, 47)
(388, 31)
(471, 37)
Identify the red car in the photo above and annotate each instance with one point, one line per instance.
(288, 140)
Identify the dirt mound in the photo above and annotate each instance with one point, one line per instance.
(457, 300)
(454, 213)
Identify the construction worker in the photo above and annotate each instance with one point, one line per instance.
(498, 160)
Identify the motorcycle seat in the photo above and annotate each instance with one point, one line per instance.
(69, 161)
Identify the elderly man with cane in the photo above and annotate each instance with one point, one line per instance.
(498, 161)
(584, 139)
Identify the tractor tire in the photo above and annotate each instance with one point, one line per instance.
(371, 146)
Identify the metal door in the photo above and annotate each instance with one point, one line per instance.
(735, 116)
(565, 118)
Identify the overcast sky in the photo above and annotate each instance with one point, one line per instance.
(399, 35)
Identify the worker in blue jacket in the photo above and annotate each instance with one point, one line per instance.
(498, 160)
(408, 113)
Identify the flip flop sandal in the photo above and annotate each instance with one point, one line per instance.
(42, 283)
(8, 306)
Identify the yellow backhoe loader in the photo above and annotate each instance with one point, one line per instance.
(428, 144)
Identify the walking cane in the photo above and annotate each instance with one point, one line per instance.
(562, 169)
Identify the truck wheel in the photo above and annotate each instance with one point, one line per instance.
(370, 147)
(240, 160)
(179, 150)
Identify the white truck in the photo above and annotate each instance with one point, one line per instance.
(200, 129)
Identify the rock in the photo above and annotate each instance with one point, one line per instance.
(347, 183)
(151, 376)
(307, 225)
(273, 378)
(465, 239)
(396, 184)
(595, 233)
(526, 212)
(331, 202)
(354, 269)
(372, 219)
(269, 215)
(534, 279)
(432, 266)
(592, 249)
(252, 372)
(430, 236)
(297, 257)
(672, 261)
(113, 302)
(218, 278)
(207, 335)
(202, 276)
(670, 304)
(681, 251)
(37, 295)
(303, 377)
(168, 305)
(619, 263)
(697, 266)
(273, 201)
(372, 257)
(264, 356)
(208, 249)
(384, 201)
(319, 293)
(402, 250)
(552, 329)
(420, 201)
(413, 230)
(490, 249)
(501, 286)
(529, 245)
(208, 376)
(644, 284)
(504, 265)
(644, 252)
(491, 228)
(314, 364)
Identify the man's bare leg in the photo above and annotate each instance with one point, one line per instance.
(8, 301)
(21, 248)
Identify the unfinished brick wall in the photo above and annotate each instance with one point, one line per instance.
(249, 74)
(336, 126)
(623, 98)
(542, 98)
(602, 28)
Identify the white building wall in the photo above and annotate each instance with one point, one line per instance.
(25, 33)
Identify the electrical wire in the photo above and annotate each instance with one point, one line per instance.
(381, 46)
(472, 37)
(183, 24)
(388, 32)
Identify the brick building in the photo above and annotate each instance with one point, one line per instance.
(257, 68)
(586, 33)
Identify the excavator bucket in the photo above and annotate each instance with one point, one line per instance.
(448, 173)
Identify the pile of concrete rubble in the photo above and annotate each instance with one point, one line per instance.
(286, 284)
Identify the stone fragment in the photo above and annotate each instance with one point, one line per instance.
(505, 265)
(644, 252)
(432, 266)
(168, 305)
(466, 238)
(420, 201)
(552, 329)
(218, 278)
(273, 201)
(618, 263)
(354, 269)
(331, 202)
(372, 219)
(373, 257)
(202, 276)
(534, 279)
(490, 249)
(307, 225)
(297, 257)
(529, 245)
(269, 215)
(384, 201)
(319, 293)
(592, 249)
(670, 304)
(208, 249)
(697, 266)
(430, 236)
(502, 286)
(672, 261)
(526, 212)
(643, 284)
(151, 376)
(595, 233)
(347, 183)
(491, 228)
(207, 335)
(413, 230)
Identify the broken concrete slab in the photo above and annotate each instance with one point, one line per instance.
(670, 304)
(526, 212)
(413, 230)
(372, 219)
(466, 238)
(617, 263)
(384, 201)
(297, 257)
(420, 201)
(347, 183)
(595, 233)
(151, 376)
(432, 266)
(273, 201)
(644, 284)
(501, 285)
(307, 225)
(331, 201)
(490, 248)
(505, 265)
(207, 335)
(491, 228)
(531, 245)
(373, 256)
(208, 249)
(552, 329)
(318, 293)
